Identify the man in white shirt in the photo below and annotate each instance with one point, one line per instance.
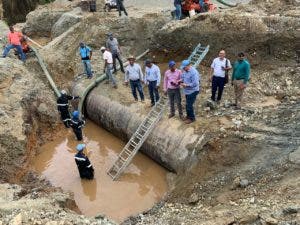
(108, 66)
(219, 72)
(134, 75)
(152, 79)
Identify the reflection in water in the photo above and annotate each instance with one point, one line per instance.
(142, 184)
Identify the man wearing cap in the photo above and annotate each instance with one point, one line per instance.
(63, 107)
(134, 75)
(152, 79)
(108, 66)
(86, 56)
(172, 88)
(113, 46)
(190, 79)
(219, 67)
(240, 78)
(85, 168)
(77, 124)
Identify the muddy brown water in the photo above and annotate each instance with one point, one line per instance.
(142, 185)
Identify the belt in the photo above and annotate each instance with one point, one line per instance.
(62, 104)
(135, 80)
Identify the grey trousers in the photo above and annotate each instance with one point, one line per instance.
(109, 75)
(175, 97)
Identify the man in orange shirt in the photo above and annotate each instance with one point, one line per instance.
(14, 42)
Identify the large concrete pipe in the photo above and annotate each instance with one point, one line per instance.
(171, 144)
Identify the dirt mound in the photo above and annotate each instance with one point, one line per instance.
(20, 206)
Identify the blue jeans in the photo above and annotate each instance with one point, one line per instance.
(190, 100)
(19, 49)
(218, 83)
(136, 85)
(153, 91)
(87, 67)
(109, 74)
(178, 11)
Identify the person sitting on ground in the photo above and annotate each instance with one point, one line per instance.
(86, 56)
(85, 168)
(190, 81)
(240, 78)
(63, 107)
(121, 7)
(25, 45)
(134, 75)
(14, 42)
(172, 88)
(77, 124)
(152, 79)
(108, 66)
(219, 75)
(113, 46)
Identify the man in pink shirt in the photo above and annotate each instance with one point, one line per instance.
(172, 88)
(14, 42)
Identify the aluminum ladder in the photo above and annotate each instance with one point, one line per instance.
(198, 55)
(143, 131)
(138, 138)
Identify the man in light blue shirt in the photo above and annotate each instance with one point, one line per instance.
(152, 79)
(86, 56)
(190, 79)
(134, 75)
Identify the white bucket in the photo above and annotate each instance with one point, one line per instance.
(192, 12)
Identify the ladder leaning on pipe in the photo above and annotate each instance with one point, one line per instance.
(148, 124)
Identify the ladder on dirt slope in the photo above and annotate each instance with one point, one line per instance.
(148, 124)
(198, 55)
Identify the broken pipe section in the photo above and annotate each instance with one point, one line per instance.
(170, 144)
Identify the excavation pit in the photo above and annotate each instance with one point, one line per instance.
(141, 186)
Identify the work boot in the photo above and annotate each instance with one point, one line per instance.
(171, 115)
(115, 86)
(188, 121)
(181, 117)
(106, 82)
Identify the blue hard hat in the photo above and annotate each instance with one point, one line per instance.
(75, 114)
(185, 63)
(172, 63)
(80, 147)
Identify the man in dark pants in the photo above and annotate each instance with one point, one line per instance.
(113, 46)
(134, 75)
(85, 168)
(63, 107)
(77, 125)
(191, 84)
(172, 88)
(219, 67)
(152, 79)
(121, 7)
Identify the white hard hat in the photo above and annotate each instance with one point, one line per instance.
(63, 92)
(102, 48)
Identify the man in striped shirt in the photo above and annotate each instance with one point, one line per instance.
(85, 168)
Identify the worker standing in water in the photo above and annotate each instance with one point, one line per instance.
(85, 168)
(77, 124)
(63, 107)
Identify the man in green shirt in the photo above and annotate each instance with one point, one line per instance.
(240, 78)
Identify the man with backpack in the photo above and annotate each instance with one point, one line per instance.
(219, 75)
(86, 56)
